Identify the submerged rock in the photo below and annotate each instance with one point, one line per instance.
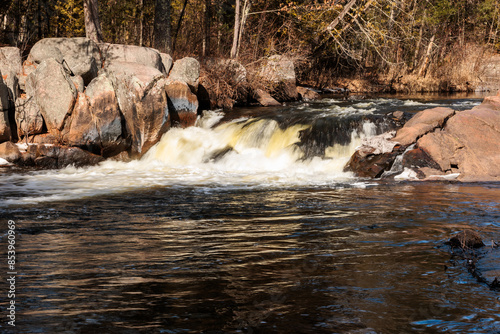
(488, 268)
(466, 239)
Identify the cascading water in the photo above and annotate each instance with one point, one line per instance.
(300, 145)
(261, 145)
(289, 150)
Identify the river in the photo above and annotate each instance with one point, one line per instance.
(247, 224)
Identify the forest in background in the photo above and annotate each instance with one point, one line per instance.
(393, 41)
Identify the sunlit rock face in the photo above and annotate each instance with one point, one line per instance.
(443, 142)
(142, 101)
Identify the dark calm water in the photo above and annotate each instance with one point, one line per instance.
(220, 247)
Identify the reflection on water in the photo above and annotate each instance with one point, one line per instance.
(307, 260)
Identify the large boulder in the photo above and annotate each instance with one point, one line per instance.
(54, 92)
(10, 58)
(375, 156)
(27, 68)
(5, 131)
(182, 104)
(131, 54)
(10, 152)
(422, 123)
(223, 83)
(4, 95)
(10, 68)
(232, 71)
(140, 91)
(279, 73)
(79, 54)
(468, 144)
(28, 116)
(96, 122)
(463, 145)
(186, 70)
(82, 130)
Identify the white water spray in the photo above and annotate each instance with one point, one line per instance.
(251, 153)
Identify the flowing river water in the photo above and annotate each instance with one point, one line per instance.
(247, 224)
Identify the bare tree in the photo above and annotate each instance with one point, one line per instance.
(240, 18)
(236, 32)
(92, 23)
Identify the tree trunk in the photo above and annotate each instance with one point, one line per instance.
(179, 23)
(417, 47)
(236, 33)
(206, 29)
(92, 23)
(427, 58)
(141, 22)
(162, 39)
(246, 11)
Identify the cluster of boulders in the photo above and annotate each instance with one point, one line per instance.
(437, 143)
(97, 99)
(106, 100)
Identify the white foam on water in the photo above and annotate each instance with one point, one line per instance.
(240, 154)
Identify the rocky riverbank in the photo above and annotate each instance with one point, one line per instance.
(73, 101)
(437, 143)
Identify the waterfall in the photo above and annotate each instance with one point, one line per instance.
(272, 151)
(263, 144)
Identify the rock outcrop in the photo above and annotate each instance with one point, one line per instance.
(279, 73)
(140, 91)
(105, 100)
(53, 91)
(186, 70)
(10, 67)
(182, 104)
(422, 123)
(130, 54)
(440, 143)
